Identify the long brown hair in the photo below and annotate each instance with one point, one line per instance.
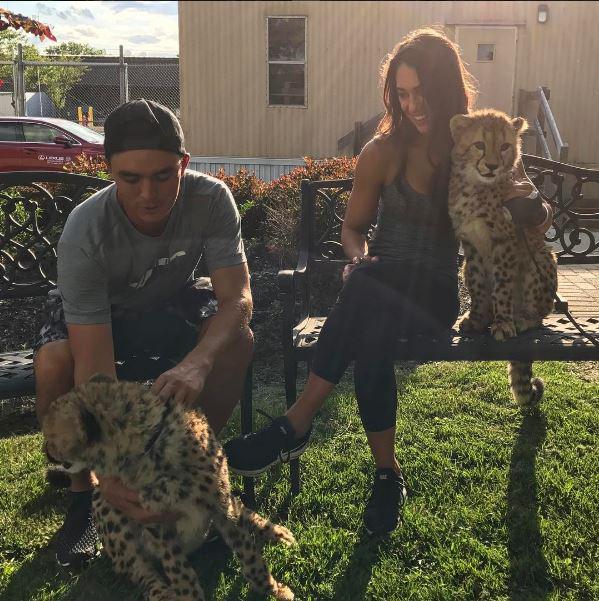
(447, 87)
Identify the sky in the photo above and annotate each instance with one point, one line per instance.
(148, 28)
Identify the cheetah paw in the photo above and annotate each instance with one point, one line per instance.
(468, 324)
(503, 329)
(283, 593)
(284, 536)
(524, 324)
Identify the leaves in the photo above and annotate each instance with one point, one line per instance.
(18, 21)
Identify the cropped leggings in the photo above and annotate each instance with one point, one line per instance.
(380, 302)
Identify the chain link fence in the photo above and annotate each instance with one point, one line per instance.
(86, 89)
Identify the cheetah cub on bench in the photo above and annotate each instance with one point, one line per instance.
(507, 292)
(170, 455)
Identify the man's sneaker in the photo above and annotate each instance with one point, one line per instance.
(77, 540)
(254, 453)
(386, 500)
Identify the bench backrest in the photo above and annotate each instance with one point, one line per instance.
(564, 186)
(33, 209)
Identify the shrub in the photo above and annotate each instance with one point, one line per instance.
(84, 164)
(282, 202)
(248, 191)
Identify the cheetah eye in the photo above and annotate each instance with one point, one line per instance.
(505, 147)
(480, 145)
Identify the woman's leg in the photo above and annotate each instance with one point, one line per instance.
(287, 436)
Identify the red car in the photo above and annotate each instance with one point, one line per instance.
(39, 144)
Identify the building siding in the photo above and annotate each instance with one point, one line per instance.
(223, 65)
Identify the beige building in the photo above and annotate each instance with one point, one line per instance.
(289, 79)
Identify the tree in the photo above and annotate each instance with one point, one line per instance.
(59, 81)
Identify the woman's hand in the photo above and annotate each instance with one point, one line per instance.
(525, 205)
(357, 260)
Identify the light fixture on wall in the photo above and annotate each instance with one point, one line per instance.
(543, 13)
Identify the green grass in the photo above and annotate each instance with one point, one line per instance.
(503, 505)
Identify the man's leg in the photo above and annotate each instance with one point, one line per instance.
(77, 539)
(224, 385)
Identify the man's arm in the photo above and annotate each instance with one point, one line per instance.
(186, 380)
(92, 350)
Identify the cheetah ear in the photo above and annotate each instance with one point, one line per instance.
(91, 427)
(457, 124)
(520, 124)
(99, 378)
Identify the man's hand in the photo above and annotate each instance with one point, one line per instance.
(127, 500)
(358, 260)
(183, 383)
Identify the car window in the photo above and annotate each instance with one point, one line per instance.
(10, 132)
(35, 132)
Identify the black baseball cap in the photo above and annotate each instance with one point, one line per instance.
(142, 125)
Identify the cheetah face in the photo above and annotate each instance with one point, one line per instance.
(69, 429)
(487, 145)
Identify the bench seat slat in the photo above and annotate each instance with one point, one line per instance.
(558, 339)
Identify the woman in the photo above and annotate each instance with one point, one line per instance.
(404, 280)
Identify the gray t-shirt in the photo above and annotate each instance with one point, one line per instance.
(104, 262)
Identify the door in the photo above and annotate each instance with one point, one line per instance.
(41, 152)
(490, 54)
(11, 146)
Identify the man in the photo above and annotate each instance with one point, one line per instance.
(126, 261)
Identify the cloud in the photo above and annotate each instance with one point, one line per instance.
(163, 8)
(67, 14)
(143, 39)
(148, 27)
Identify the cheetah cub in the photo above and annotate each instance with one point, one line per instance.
(506, 290)
(170, 455)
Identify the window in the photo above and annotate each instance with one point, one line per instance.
(10, 132)
(40, 133)
(287, 61)
(485, 52)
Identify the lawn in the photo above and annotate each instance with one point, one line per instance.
(503, 505)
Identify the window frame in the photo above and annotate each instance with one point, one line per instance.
(304, 62)
(19, 128)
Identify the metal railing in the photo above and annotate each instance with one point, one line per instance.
(549, 143)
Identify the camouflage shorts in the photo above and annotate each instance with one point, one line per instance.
(169, 330)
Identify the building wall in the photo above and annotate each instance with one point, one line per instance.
(223, 65)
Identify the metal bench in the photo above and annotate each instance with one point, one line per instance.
(320, 251)
(33, 209)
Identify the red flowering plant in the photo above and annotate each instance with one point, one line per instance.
(17, 21)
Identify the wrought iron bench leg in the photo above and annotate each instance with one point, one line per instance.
(246, 428)
(291, 395)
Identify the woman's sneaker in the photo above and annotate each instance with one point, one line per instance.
(77, 540)
(254, 453)
(386, 500)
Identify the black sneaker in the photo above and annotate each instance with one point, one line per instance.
(254, 453)
(77, 540)
(386, 500)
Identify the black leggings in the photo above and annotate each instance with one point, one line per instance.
(380, 302)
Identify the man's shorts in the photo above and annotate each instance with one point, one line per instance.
(169, 331)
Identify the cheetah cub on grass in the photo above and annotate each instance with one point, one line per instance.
(171, 457)
(508, 293)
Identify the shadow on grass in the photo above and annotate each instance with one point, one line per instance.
(19, 424)
(529, 576)
(357, 574)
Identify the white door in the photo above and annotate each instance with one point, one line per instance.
(490, 55)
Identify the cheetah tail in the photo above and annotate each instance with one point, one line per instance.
(527, 391)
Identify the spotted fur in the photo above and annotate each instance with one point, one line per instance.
(508, 293)
(172, 458)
